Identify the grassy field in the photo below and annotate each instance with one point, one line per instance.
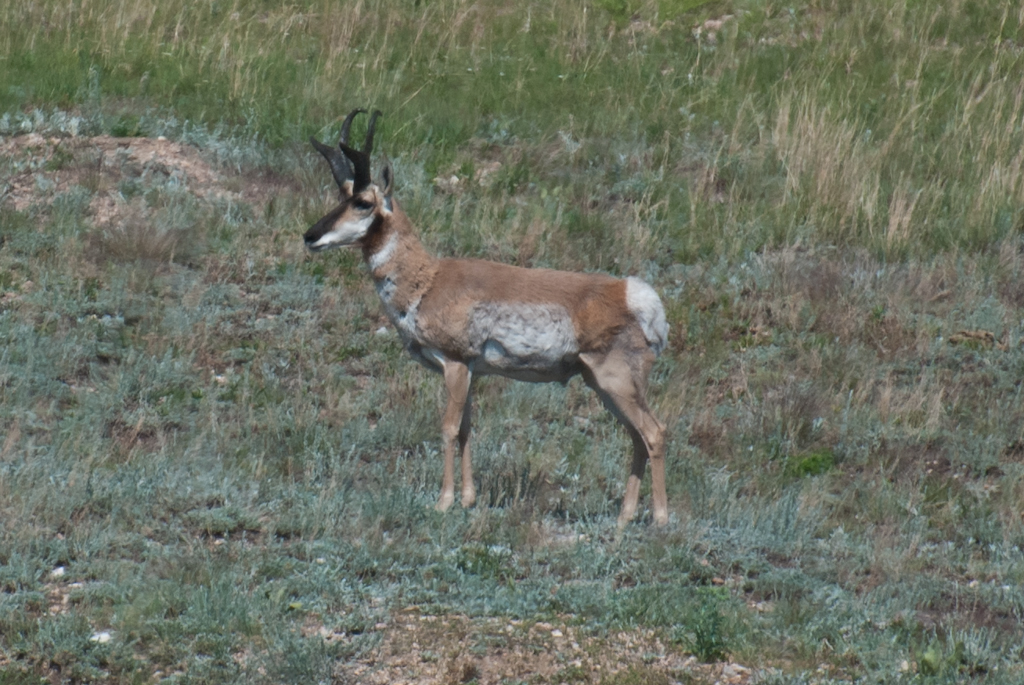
(217, 464)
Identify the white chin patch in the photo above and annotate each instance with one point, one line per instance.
(344, 234)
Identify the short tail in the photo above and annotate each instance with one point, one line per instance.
(649, 312)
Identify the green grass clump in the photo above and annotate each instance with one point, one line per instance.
(813, 464)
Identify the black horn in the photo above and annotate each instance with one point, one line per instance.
(340, 167)
(347, 124)
(370, 128)
(361, 158)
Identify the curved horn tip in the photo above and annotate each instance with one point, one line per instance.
(387, 175)
(347, 124)
(370, 129)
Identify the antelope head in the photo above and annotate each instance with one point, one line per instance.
(364, 204)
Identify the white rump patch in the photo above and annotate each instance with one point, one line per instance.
(384, 254)
(344, 234)
(649, 312)
(513, 337)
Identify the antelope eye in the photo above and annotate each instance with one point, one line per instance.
(362, 204)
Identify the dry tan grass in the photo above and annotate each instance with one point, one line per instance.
(828, 159)
(134, 238)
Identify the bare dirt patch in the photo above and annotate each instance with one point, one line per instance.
(41, 169)
(418, 649)
(46, 167)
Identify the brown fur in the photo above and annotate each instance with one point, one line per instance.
(596, 302)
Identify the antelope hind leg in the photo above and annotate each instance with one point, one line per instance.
(620, 378)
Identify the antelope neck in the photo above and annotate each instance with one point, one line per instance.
(398, 263)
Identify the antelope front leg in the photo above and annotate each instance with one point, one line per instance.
(468, 488)
(457, 380)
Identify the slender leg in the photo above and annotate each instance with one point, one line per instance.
(621, 381)
(457, 380)
(468, 488)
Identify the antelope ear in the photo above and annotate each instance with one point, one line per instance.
(387, 177)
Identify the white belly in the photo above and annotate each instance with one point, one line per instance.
(526, 341)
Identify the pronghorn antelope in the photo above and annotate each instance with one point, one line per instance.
(468, 317)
